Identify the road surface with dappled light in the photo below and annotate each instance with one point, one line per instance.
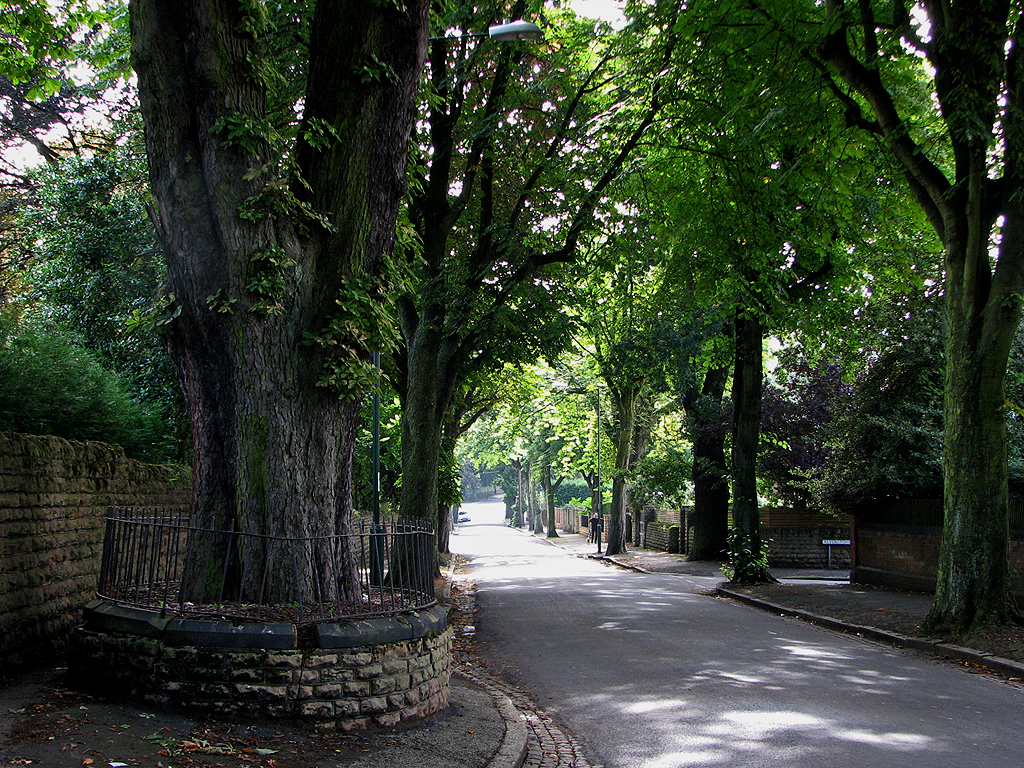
(649, 674)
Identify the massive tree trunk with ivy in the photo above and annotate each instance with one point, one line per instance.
(974, 50)
(271, 244)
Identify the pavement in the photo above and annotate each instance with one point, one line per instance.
(487, 725)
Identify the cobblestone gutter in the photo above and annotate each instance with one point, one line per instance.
(346, 676)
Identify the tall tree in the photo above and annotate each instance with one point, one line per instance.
(628, 337)
(523, 145)
(770, 176)
(276, 231)
(963, 166)
(707, 427)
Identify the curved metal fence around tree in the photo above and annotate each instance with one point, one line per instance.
(149, 555)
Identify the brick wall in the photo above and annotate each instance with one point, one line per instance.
(662, 515)
(906, 556)
(54, 495)
(801, 547)
(661, 537)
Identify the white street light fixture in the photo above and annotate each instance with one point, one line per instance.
(508, 32)
(516, 30)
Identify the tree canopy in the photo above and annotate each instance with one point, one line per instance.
(627, 221)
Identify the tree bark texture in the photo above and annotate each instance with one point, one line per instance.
(272, 449)
(973, 580)
(537, 519)
(429, 380)
(746, 435)
(644, 423)
(710, 515)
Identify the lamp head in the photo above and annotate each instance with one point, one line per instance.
(516, 30)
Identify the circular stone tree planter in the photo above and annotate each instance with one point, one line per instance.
(342, 675)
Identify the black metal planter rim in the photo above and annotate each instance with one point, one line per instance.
(105, 616)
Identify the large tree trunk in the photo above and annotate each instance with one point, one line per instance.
(624, 405)
(973, 586)
(272, 449)
(710, 515)
(643, 425)
(422, 424)
(550, 486)
(536, 518)
(746, 549)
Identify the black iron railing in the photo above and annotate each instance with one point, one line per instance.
(157, 559)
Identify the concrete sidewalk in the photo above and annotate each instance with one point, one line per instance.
(653, 561)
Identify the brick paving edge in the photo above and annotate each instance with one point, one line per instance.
(999, 665)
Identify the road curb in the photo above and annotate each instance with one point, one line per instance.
(512, 751)
(996, 664)
(627, 566)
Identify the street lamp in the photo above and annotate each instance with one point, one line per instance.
(515, 30)
(510, 31)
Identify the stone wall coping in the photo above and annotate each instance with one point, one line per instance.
(105, 616)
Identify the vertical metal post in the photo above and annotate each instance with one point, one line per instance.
(376, 442)
(600, 494)
(376, 532)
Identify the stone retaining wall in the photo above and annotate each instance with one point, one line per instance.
(377, 684)
(54, 495)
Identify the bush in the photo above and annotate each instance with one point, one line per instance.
(571, 488)
(50, 386)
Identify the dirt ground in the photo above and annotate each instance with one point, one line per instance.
(44, 722)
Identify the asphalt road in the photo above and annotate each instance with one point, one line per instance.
(649, 674)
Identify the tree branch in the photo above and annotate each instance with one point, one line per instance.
(927, 183)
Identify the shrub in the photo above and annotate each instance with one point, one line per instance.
(50, 386)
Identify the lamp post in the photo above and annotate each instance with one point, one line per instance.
(376, 530)
(376, 443)
(600, 504)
